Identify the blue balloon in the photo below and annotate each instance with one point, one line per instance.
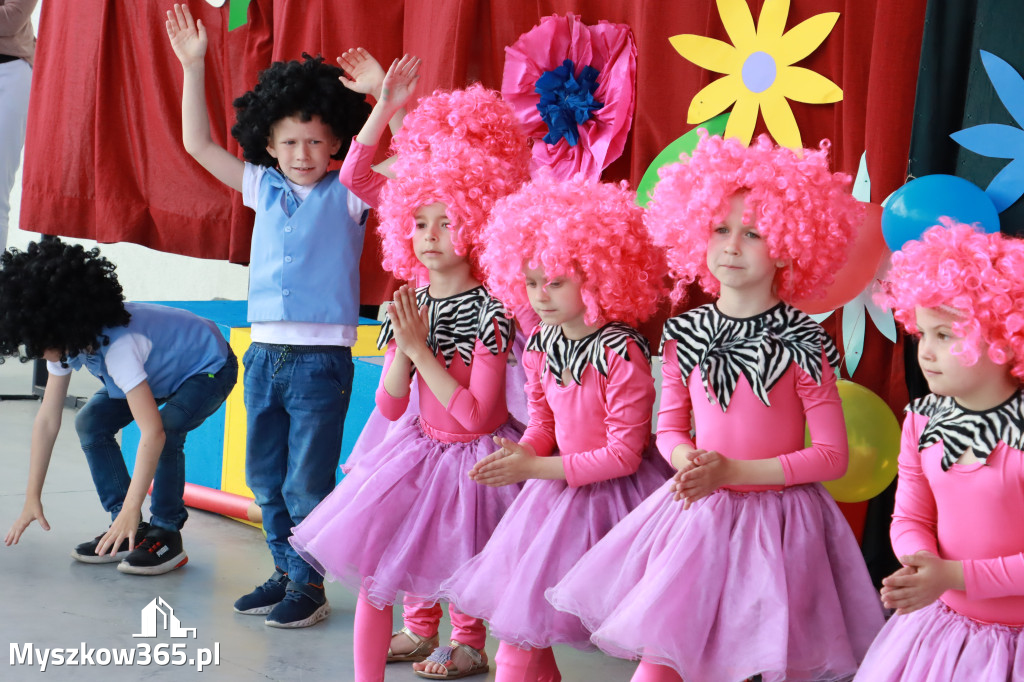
(917, 205)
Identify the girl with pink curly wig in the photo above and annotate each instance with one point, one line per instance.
(756, 227)
(406, 515)
(801, 209)
(577, 251)
(959, 597)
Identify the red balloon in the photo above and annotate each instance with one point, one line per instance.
(866, 251)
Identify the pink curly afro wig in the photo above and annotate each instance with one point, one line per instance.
(954, 267)
(454, 123)
(588, 231)
(801, 209)
(462, 148)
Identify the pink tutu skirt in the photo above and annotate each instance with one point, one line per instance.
(548, 528)
(769, 583)
(406, 516)
(937, 644)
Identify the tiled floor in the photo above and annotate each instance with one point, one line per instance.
(52, 601)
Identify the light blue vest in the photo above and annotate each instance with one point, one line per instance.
(304, 265)
(184, 345)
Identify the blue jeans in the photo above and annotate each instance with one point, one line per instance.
(102, 417)
(296, 398)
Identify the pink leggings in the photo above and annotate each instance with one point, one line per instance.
(525, 665)
(372, 633)
(652, 672)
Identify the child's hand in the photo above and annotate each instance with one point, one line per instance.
(367, 73)
(33, 511)
(709, 472)
(511, 464)
(409, 323)
(124, 526)
(188, 37)
(400, 82)
(922, 580)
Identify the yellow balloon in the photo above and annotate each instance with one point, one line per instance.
(874, 436)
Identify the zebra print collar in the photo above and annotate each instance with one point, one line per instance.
(760, 348)
(576, 355)
(959, 428)
(455, 323)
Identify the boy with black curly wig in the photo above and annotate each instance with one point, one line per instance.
(63, 303)
(303, 291)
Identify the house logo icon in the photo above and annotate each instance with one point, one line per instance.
(158, 615)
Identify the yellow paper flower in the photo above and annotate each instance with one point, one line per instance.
(759, 69)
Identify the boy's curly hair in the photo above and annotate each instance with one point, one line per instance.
(977, 278)
(59, 296)
(804, 211)
(588, 231)
(302, 89)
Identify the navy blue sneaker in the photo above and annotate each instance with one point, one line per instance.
(86, 552)
(265, 597)
(303, 605)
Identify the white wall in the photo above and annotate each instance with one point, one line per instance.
(148, 275)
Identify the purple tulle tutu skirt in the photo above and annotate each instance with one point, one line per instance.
(548, 528)
(406, 516)
(769, 583)
(937, 644)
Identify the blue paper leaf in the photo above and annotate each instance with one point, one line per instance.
(1008, 84)
(853, 332)
(995, 140)
(883, 319)
(1007, 186)
(862, 183)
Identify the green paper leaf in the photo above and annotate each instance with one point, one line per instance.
(670, 154)
(238, 14)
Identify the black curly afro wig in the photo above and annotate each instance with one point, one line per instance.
(302, 89)
(57, 295)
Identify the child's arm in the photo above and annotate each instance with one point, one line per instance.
(146, 415)
(410, 326)
(674, 415)
(514, 463)
(368, 78)
(357, 173)
(188, 39)
(392, 396)
(44, 434)
(629, 402)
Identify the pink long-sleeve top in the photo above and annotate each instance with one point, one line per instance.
(971, 512)
(472, 336)
(600, 420)
(752, 384)
(358, 176)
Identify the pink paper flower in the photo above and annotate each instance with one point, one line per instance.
(597, 120)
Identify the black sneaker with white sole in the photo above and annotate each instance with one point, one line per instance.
(159, 552)
(86, 552)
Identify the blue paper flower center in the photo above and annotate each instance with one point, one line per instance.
(567, 100)
(759, 71)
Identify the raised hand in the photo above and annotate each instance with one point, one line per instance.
(187, 35)
(400, 82)
(366, 72)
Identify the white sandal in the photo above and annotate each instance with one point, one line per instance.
(422, 647)
(443, 656)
